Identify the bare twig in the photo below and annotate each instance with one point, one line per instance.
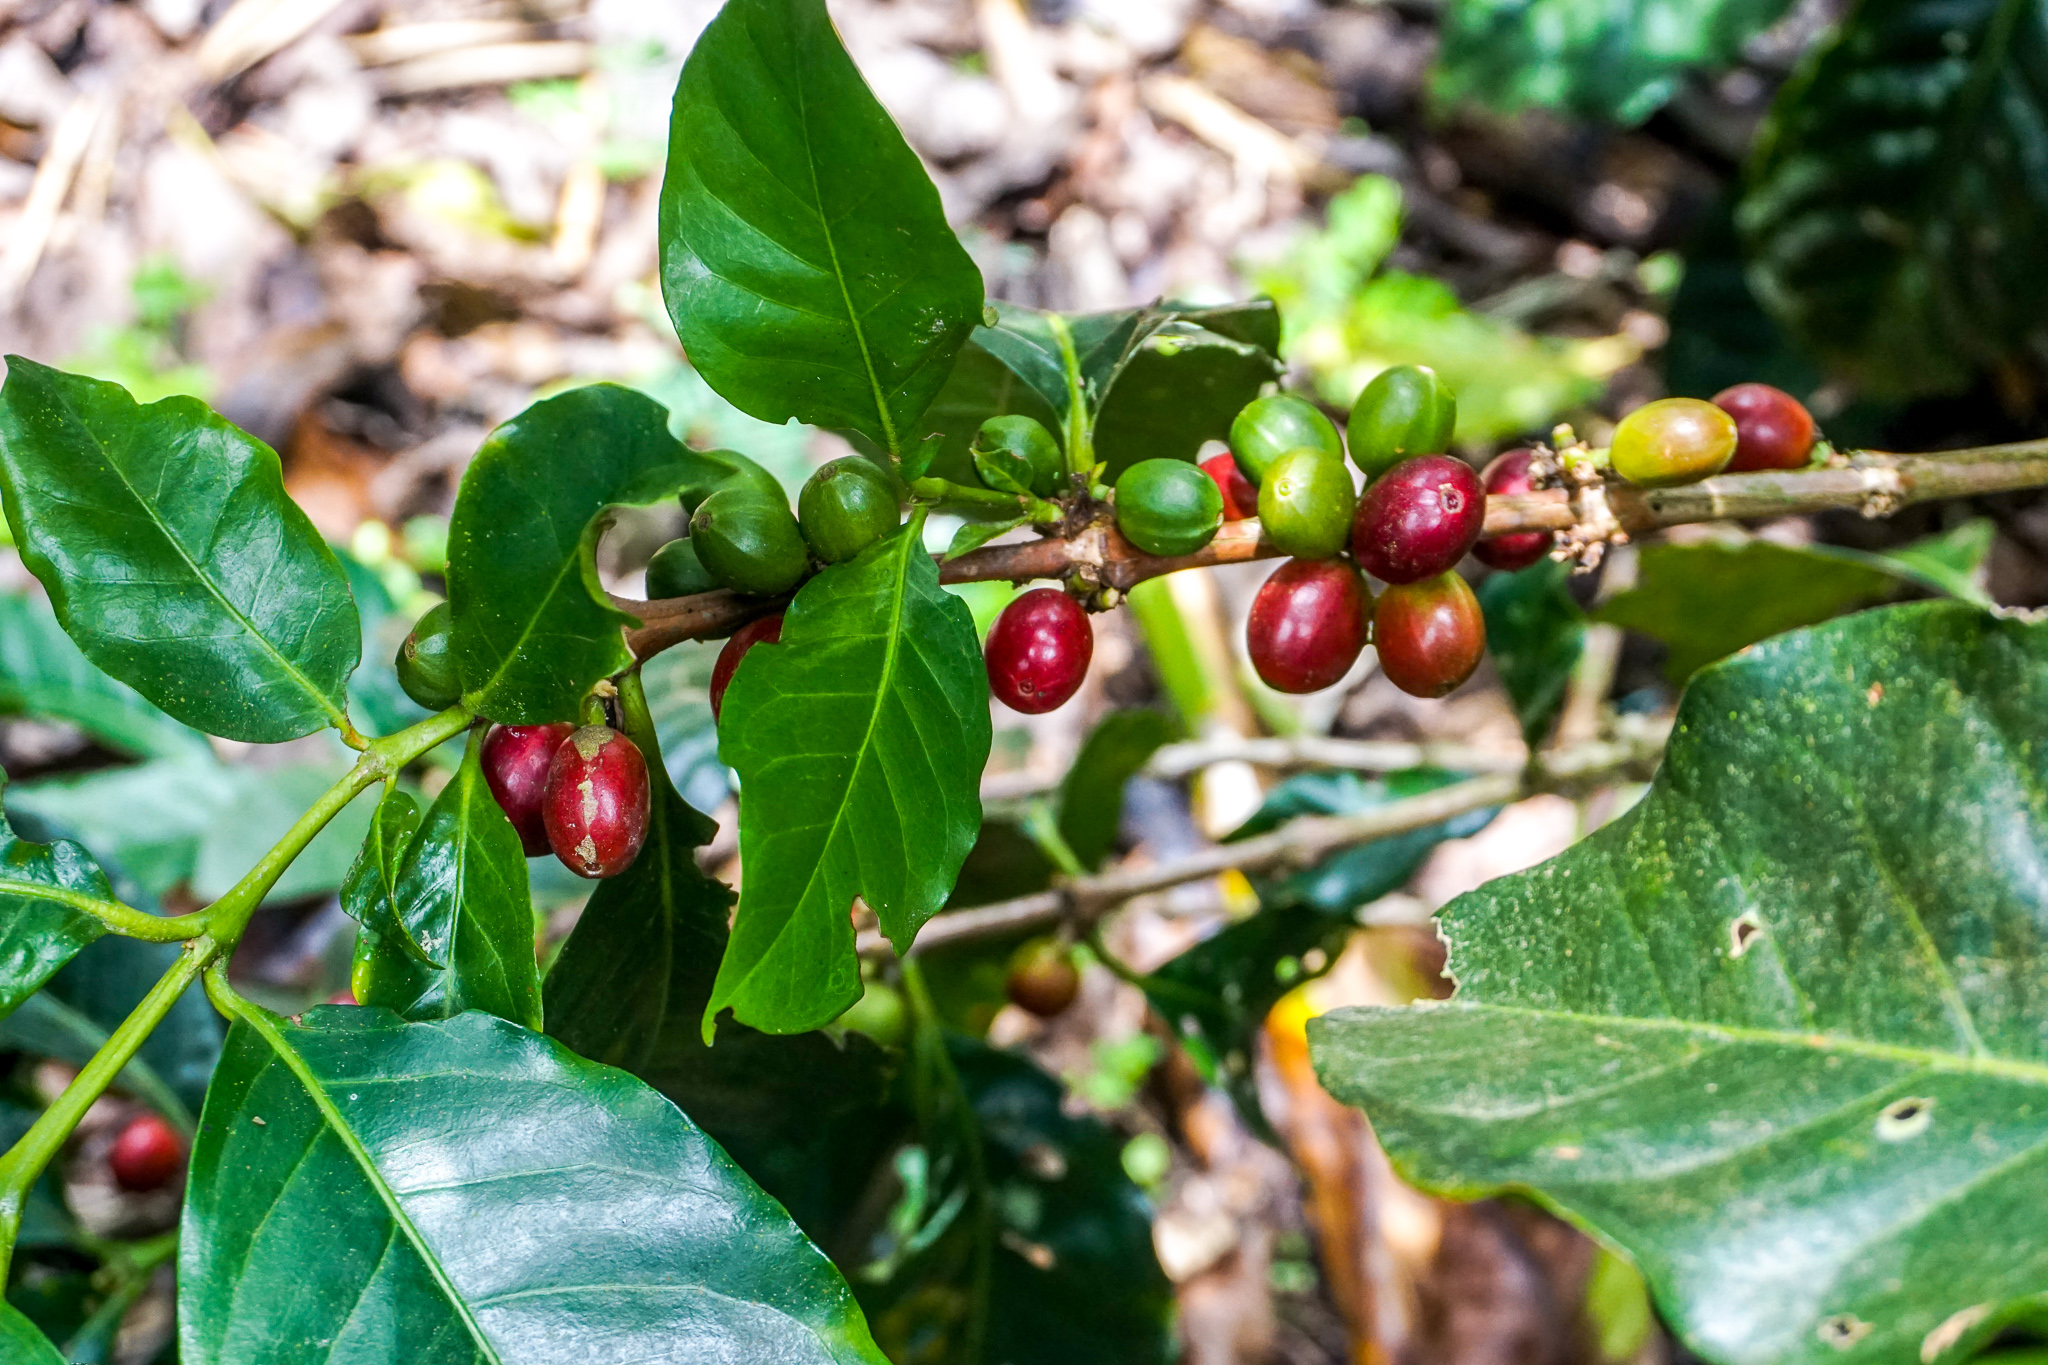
(1875, 483)
(1297, 843)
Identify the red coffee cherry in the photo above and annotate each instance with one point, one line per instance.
(516, 759)
(1307, 625)
(597, 802)
(1509, 473)
(1038, 651)
(1240, 497)
(1430, 635)
(1043, 979)
(1773, 430)
(146, 1155)
(768, 628)
(1418, 519)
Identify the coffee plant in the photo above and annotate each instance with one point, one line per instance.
(1779, 1034)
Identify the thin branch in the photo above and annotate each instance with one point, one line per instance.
(1876, 483)
(1298, 843)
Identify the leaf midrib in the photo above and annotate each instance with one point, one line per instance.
(333, 712)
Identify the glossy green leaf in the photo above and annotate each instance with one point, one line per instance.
(1720, 333)
(41, 923)
(1708, 599)
(979, 388)
(461, 896)
(1183, 386)
(1897, 211)
(1534, 632)
(1780, 1031)
(173, 556)
(534, 629)
(805, 259)
(370, 1190)
(859, 741)
(1091, 799)
(43, 674)
(21, 1343)
(974, 534)
(370, 893)
(1594, 60)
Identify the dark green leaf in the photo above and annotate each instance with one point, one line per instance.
(1180, 389)
(370, 892)
(1779, 1032)
(1594, 60)
(369, 1190)
(1534, 631)
(1897, 211)
(1953, 562)
(534, 629)
(980, 387)
(41, 925)
(43, 674)
(1720, 334)
(462, 897)
(859, 741)
(975, 534)
(1091, 801)
(21, 1343)
(173, 556)
(806, 262)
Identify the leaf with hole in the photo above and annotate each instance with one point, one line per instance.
(859, 741)
(805, 259)
(173, 557)
(462, 1187)
(1778, 1032)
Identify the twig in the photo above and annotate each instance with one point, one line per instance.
(1298, 843)
(1875, 483)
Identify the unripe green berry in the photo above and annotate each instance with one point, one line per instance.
(426, 663)
(1023, 450)
(675, 571)
(1305, 504)
(845, 507)
(749, 541)
(1168, 507)
(1404, 412)
(1269, 427)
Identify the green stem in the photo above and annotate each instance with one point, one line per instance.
(122, 919)
(1044, 828)
(934, 489)
(1080, 431)
(28, 1158)
(637, 718)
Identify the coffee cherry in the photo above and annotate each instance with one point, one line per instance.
(845, 507)
(146, 1155)
(1508, 474)
(1038, 649)
(1240, 498)
(1043, 979)
(1404, 412)
(1307, 625)
(675, 571)
(749, 541)
(1269, 427)
(426, 662)
(767, 628)
(1773, 430)
(1167, 507)
(1305, 504)
(515, 762)
(1023, 450)
(879, 1013)
(597, 802)
(1430, 635)
(1672, 441)
(1418, 519)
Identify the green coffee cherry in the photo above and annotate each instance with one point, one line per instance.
(1305, 504)
(426, 667)
(1270, 427)
(1406, 411)
(1018, 455)
(1673, 441)
(675, 571)
(743, 473)
(845, 507)
(1168, 507)
(880, 1013)
(749, 541)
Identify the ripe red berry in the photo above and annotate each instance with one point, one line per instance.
(768, 628)
(1430, 635)
(1307, 625)
(1418, 519)
(146, 1155)
(1773, 430)
(597, 802)
(1038, 651)
(516, 759)
(1509, 473)
(1240, 497)
(1043, 979)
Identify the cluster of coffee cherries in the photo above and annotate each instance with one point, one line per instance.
(580, 792)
